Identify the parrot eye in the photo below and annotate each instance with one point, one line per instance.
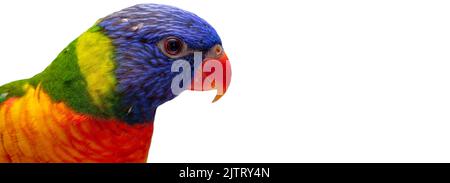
(173, 46)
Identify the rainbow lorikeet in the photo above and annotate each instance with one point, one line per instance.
(96, 102)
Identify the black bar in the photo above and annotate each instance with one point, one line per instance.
(241, 171)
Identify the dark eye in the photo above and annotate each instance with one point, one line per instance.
(173, 46)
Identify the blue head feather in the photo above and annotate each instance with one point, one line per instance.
(143, 72)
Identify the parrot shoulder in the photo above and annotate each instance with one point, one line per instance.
(13, 89)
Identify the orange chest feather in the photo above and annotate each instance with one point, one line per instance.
(35, 129)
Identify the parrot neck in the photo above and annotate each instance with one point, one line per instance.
(65, 81)
(83, 77)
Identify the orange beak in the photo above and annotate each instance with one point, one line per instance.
(214, 73)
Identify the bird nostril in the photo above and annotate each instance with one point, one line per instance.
(218, 50)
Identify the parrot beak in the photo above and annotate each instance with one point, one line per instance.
(226, 75)
(215, 73)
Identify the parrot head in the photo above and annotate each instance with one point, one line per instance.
(160, 51)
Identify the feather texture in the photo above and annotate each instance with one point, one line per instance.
(95, 56)
(33, 128)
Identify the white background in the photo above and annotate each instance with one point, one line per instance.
(313, 81)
